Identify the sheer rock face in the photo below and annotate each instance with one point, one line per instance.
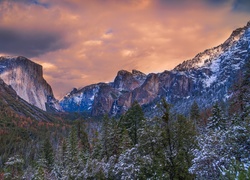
(205, 79)
(126, 81)
(26, 78)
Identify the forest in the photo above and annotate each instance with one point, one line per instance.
(210, 143)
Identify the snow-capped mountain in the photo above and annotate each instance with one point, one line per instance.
(205, 79)
(26, 78)
(102, 98)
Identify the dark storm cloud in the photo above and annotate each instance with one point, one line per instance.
(37, 2)
(217, 2)
(241, 5)
(237, 5)
(28, 43)
(179, 2)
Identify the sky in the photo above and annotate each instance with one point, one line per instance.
(81, 42)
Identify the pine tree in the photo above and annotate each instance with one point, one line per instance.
(97, 150)
(217, 120)
(186, 143)
(236, 170)
(82, 135)
(114, 139)
(104, 136)
(72, 156)
(13, 168)
(132, 121)
(245, 86)
(150, 147)
(125, 142)
(41, 170)
(48, 154)
(178, 142)
(195, 114)
(208, 156)
(111, 137)
(241, 93)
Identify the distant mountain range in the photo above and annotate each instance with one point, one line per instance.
(206, 78)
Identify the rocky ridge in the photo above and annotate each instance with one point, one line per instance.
(205, 79)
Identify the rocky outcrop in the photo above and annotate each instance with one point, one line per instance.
(127, 81)
(26, 78)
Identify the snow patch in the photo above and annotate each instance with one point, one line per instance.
(210, 80)
(215, 66)
(202, 60)
(92, 97)
(77, 99)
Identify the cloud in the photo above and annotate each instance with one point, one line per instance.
(29, 44)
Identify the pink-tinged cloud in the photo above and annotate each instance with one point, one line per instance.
(80, 42)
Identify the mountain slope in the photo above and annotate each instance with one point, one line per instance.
(205, 79)
(12, 103)
(26, 78)
(23, 127)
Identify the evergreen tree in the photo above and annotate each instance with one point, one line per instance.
(186, 143)
(82, 135)
(209, 157)
(241, 93)
(104, 136)
(111, 138)
(195, 114)
(125, 142)
(97, 150)
(114, 139)
(237, 170)
(48, 154)
(178, 142)
(41, 170)
(217, 121)
(150, 149)
(72, 156)
(13, 168)
(245, 86)
(132, 121)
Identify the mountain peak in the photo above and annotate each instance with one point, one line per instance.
(136, 72)
(123, 72)
(204, 58)
(248, 24)
(15, 58)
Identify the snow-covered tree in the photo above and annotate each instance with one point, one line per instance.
(72, 156)
(127, 166)
(210, 156)
(13, 168)
(217, 149)
(217, 120)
